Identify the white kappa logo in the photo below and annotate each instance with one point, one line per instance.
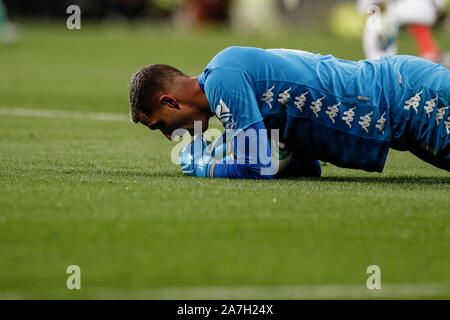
(447, 125)
(429, 107)
(333, 111)
(268, 97)
(316, 106)
(300, 101)
(349, 116)
(440, 113)
(284, 97)
(413, 102)
(381, 124)
(365, 121)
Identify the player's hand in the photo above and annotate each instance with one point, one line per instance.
(195, 158)
(222, 149)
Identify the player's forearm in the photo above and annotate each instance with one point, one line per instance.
(239, 171)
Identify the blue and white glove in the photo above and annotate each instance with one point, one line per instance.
(195, 158)
(222, 149)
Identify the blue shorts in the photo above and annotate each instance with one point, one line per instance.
(419, 95)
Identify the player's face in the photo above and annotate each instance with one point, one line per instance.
(155, 121)
(167, 119)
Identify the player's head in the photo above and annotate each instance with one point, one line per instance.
(164, 98)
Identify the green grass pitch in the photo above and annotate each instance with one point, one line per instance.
(104, 195)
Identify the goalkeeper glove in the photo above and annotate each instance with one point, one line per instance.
(195, 158)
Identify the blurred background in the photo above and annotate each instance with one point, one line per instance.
(192, 12)
(341, 16)
(80, 184)
(119, 36)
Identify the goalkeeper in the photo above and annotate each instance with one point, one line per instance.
(343, 112)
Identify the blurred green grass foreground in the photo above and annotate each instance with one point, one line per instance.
(103, 194)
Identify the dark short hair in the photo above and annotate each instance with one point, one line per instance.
(146, 83)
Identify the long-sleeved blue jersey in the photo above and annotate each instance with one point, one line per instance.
(325, 108)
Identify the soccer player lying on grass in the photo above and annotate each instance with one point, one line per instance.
(343, 112)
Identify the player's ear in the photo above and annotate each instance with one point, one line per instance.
(169, 101)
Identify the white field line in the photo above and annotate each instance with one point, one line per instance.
(78, 115)
(336, 291)
(278, 292)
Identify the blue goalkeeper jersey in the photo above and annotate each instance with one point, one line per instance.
(324, 108)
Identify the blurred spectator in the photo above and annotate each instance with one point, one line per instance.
(3, 16)
(210, 11)
(8, 32)
(194, 13)
(96, 9)
(255, 16)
